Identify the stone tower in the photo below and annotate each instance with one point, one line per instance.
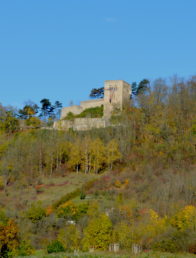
(116, 96)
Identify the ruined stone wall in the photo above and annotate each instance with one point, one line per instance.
(76, 110)
(81, 124)
(116, 96)
(91, 103)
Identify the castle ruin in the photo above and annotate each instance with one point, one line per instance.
(116, 97)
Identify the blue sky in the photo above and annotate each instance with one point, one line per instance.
(61, 49)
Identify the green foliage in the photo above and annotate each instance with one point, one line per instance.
(25, 249)
(123, 234)
(67, 197)
(97, 93)
(69, 210)
(34, 122)
(74, 193)
(149, 157)
(185, 219)
(112, 153)
(82, 196)
(8, 123)
(55, 247)
(173, 242)
(3, 218)
(98, 232)
(28, 111)
(94, 112)
(70, 237)
(36, 212)
(69, 116)
(141, 88)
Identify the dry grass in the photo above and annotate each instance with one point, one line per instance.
(19, 196)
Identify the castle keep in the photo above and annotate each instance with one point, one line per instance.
(116, 97)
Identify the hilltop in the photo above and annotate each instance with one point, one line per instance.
(131, 184)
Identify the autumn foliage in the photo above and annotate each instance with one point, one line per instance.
(143, 187)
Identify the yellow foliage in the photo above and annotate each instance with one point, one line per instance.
(75, 155)
(117, 184)
(153, 227)
(126, 182)
(97, 154)
(70, 237)
(153, 215)
(98, 233)
(67, 207)
(1, 182)
(66, 204)
(9, 235)
(123, 233)
(112, 154)
(120, 184)
(184, 219)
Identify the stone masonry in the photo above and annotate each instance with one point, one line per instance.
(116, 97)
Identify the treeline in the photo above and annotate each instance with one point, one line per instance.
(147, 197)
(158, 128)
(31, 115)
(47, 153)
(82, 227)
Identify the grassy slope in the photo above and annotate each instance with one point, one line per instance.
(51, 189)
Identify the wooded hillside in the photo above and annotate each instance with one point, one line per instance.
(136, 179)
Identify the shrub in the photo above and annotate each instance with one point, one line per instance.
(88, 112)
(98, 233)
(82, 196)
(55, 247)
(166, 245)
(69, 210)
(8, 239)
(184, 219)
(74, 193)
(82, 210)
(3, 217)
(66, 198)
(34, 122)
(69, 116)
(92, 112)
(70, 238)
(173, 242)
(123, 234)
(36, 212)
(25, 249)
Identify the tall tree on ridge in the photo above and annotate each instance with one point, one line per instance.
(97, 93)
(46, 108)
